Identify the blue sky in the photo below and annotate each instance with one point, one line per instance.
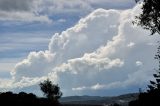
(86, 46)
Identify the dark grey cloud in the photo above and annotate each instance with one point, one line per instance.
(16, 5)
(42, 10)
(22, 11)
(112, 4)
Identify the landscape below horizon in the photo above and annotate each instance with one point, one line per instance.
(122, 100)
(79, 47)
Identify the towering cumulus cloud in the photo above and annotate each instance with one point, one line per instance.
(103, 51)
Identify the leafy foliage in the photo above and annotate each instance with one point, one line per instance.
(50, 90)
(150, 17)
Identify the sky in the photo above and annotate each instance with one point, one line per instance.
(88, 47)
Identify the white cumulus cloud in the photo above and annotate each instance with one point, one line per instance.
(139, 63)
(131, 44)
(92, 55)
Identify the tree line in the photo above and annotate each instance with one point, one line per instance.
(50, 90)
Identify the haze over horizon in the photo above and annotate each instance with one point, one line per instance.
(88, 47)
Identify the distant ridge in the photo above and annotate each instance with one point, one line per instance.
(98, 100)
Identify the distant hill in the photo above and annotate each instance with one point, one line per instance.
(97, 100)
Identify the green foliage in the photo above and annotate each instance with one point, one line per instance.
(51, 91)
(150, 17)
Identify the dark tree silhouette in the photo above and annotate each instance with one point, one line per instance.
(155, 85)
(151, 97)
(150, 17)
(25, 99)
(51, 91)
(150, 20)
(116, 104)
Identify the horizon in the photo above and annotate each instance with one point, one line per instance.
(87, 47)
